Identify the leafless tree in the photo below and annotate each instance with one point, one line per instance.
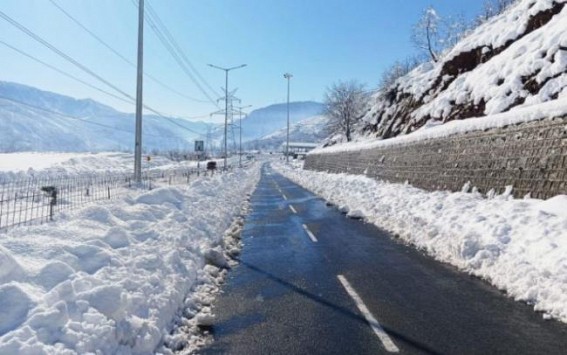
(455, 28)
(397, 70)
(345, 104)
(426, 34)
(492, 8)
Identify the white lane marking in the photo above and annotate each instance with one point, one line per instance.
(292, 209)
(284, 196)
(311, 235)
(376, 327)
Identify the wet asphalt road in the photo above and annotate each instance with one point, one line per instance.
(285, 296)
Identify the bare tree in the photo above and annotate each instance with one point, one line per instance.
(345, 104)
(492, 8)
(397, 70)
(455, 28)
(426, 34)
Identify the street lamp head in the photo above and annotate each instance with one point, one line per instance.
(287, 76)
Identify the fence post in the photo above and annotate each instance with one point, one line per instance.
(52, 203)
(108, 192)
(1, 202)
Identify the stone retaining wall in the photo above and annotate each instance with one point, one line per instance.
(531, 157)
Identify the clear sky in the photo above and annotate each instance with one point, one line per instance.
(318, 41)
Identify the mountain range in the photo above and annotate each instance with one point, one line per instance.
(35, 120)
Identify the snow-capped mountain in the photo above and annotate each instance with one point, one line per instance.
(310, 130)
(516, 59)
(36, 120)
(266, 120)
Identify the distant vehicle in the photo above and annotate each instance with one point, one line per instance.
(211, 165)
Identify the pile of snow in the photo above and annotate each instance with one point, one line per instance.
(112, 278)
(519, 246)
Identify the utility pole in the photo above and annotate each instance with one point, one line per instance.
(240, 131)
(288, 76)
(139, 96)
(226, 70)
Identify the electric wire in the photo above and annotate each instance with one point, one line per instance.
(63, 72)
(64, 115)
(54, 49)
(119, 55)
(62, 54)
(178, 59)
(168, 34)
(174, 54)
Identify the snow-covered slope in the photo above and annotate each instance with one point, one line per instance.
(310, 130)
(516, 59)
(36, 120)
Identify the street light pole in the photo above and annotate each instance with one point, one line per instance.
(288, 76)
(226, 70)
(139, 96)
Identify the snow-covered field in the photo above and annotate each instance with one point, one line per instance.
(113, 276)
(519, 246)
(48, 164)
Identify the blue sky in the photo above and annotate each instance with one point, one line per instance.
(318, 41)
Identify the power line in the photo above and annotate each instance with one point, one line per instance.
(94, 87)
(119, 55)
(165, 30)
(175, 55)
(61, 54)
(77, 118)
(64, 73)
(178, 59)
(81, 66)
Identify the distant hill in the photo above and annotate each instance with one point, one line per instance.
(37, 120)
(310, 130)
(266, 120)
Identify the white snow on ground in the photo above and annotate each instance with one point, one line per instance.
(519, 246)
(112, 277)
(28, 164)
(552, 109)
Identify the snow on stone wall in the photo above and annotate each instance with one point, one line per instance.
(531, 157)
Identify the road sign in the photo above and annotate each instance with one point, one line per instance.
(199, 146)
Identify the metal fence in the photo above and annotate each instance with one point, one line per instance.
(37, 200)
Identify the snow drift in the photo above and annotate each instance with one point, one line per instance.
(111, 277)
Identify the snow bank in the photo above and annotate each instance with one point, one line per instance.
(111, 278)
(519, 246)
